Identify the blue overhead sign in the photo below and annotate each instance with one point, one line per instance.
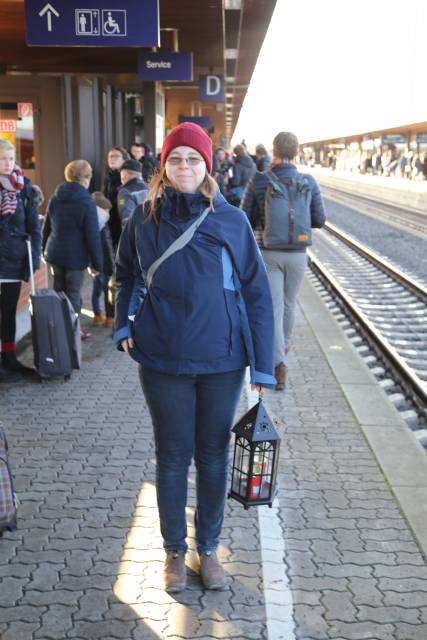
(203, 121)
(165, 66)
(211, 88)
(88, 23)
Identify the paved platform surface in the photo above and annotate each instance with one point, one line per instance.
(335, 558)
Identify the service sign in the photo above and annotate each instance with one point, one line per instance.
(211, 88)
(165, 66)
(92, 23)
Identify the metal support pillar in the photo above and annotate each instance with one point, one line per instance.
(149, 102)
(68, 116)
(110, 133)
(119, 118)
(90, 125)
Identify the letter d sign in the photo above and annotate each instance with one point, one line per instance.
(211, 88)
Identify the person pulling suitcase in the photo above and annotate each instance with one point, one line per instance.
(71, 240)
(19, 220)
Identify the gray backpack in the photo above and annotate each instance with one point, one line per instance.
(287, 213)
(8, 500)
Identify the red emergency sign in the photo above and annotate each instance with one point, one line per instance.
(7, 125)
(25, 109)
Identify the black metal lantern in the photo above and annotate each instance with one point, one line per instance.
(256, 457)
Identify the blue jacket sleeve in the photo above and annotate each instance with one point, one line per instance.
(33, 226)
(47, 226)
(125, 205)
(256, 293)
(236, 178)
(317, 207)
(128, 280)
(249, 204)
(92, 236)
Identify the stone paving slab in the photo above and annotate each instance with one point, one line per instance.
(86, 560)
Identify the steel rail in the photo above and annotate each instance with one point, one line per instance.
(386, 207)
(409, 380)
(387, 267)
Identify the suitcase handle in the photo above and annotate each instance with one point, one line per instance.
(30, 262)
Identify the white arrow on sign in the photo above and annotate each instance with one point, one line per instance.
(49, 10)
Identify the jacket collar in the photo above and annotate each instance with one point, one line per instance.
(284, 170)
(136, 181)
(181, 206)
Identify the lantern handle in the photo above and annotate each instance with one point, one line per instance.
(260, 389)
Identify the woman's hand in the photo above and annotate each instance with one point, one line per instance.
(259, 388)
(127, 344)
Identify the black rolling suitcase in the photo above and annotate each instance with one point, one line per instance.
(52, 354)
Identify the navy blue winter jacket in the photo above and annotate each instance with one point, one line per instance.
(253, 198)
(189, 322)
(243, 170)
(129, 197)
(14, 230)
(70, 231)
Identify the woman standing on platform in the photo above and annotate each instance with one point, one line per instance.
(187, 336)
(19, 220)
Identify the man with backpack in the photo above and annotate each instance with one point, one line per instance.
(283, 206)
(133, 191)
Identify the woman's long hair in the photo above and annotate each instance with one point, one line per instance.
(160, 181)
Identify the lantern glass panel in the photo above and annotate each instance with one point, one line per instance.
(262, 469)
(241, 466)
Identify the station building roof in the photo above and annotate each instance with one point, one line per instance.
(405, 129)
(225, 37)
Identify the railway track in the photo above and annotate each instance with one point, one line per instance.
(384, 313)
(412, 221)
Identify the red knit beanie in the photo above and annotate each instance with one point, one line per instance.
(188, 134)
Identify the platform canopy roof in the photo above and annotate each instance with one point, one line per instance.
(225, 37)
(407, 130)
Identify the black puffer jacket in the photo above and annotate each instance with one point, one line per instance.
(243, 170)
(14, 230)
(112, 186)
(70, 232)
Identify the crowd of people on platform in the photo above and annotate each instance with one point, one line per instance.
(81, 231)
(386, 161)
(392, 162)
(201, 292)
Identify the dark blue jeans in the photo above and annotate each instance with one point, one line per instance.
(71, 282)
(99, 288)
(192, 415)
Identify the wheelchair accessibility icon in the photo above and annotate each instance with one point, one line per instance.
(114, 22)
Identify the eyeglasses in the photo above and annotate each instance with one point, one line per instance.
(114, 156)
(192, 161)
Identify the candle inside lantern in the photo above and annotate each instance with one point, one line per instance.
(255, 458)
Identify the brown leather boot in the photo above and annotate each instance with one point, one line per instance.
(211, 571)
(98, 320)
(280, 373)
(174, 572)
